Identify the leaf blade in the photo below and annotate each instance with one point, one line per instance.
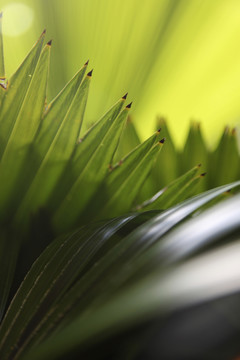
(16, 94)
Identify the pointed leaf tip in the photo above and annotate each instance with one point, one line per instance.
(159, 130)
(86, 63)
(199, 165)
(49, 43)
(125, 96)
(90, 73)
(129, 105)
(44, 32)
(162, 141)
(203, 174)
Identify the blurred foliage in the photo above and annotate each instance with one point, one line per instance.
(179, 56)
(221, 165)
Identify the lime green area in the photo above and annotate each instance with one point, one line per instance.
(176, 58)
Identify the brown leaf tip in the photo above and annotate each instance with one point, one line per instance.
(3, 83)
(159, 130)
(90, 73)
(3, 86)
(162, 141)
(44, 32)
(49, 43)
(129, 106)
(199, 165)
(125, 96)
(203, 174)
(86, 63)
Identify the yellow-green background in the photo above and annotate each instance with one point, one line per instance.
(177, 58)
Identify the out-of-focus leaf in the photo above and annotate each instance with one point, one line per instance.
(128, 140)
(2, 68)
(225, 160)
(166, 168)
(160, 287)
(195, 151)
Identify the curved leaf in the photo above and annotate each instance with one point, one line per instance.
(50, 277)
(162, 287)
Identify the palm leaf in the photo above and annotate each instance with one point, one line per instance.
(99, 282)
(59, 264)
(54, 144)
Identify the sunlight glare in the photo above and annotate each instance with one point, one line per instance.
(18, 19)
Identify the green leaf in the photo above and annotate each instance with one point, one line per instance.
(126, 178)
(157, 284)
(128, 140)
(166, 168)
(88, 147)
(64, 112)
(81, 248)
(155, 296)
(22, 134)
(190, 188)
(3, 82)
(24, 98)
(89, 168)
(211, 225)
(54, 144)
(195, 151)
(227, 152)
(66, 258)
(97, 284)
(171, 194)
(24, 108)
(2, 68)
